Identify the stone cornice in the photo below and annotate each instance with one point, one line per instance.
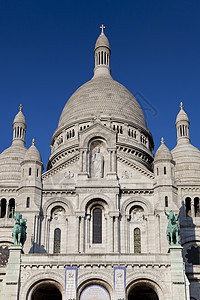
(137, 192)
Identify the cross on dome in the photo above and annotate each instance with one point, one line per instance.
(20, 107)
(102, 27)
(33, 141)
(162, 141)
(181, 105)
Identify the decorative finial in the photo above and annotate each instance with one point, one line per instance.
(33, 141)
(181, 105)
(162, 141)
(20, 107)
(102, 27)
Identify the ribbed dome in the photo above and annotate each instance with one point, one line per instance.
(187, 159)
(102, 96)
(163, 152)
(19, 118)
(10, 159)
(33, 153)
(102, 41)
(182, 116)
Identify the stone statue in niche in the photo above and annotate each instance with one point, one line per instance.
(58, 214)
(98, 163)
(138, 216)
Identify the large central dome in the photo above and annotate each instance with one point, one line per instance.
(103, 100)
(102, 96)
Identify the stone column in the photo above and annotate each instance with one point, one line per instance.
(83, 159)
(111, 232)
(77, 233)
(180, 285)
(116, 234)
(158, 238)
(112, 163)
(82, 233)
(87, 240)
(44, 232)
(10, 284)
(48, 234)
(111, 167)
(127, 233)
(192, 208)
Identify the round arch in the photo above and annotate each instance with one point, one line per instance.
(50, 203)
(150, 279)
(103, 197)
(33, 281)
(96, 202)
(143, 289)
(107, 135)
(95, 281)
(46, 290)
(144, 203)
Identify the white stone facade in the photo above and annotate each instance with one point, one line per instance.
(100, 203)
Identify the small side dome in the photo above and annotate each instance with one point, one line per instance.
(182, 116)
(32, 153)
(19, 118)
(163, 153)
(102, 40)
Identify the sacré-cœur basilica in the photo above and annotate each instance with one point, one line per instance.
(96, 227)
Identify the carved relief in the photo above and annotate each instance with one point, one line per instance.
(69, 175)
(126, 174)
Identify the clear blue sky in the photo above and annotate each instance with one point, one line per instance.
(46, 53)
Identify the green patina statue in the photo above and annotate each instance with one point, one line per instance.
(19, 230)
(172, 228)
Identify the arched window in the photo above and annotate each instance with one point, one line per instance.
(97, 226)
(29, 172)
(28, 202)
(137, 240)
(166, 201)
(196, 207)
(10, 207)
(3, 208)
(188, 207)
(157, 171)
(165, 170)
(57, 239)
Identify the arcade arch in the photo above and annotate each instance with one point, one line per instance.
(46, 290)
(144, 289)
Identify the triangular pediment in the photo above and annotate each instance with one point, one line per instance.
(65, 171)
(131, 170)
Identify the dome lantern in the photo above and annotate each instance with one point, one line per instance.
(19, 128)
(182, 126)
(102, 54)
